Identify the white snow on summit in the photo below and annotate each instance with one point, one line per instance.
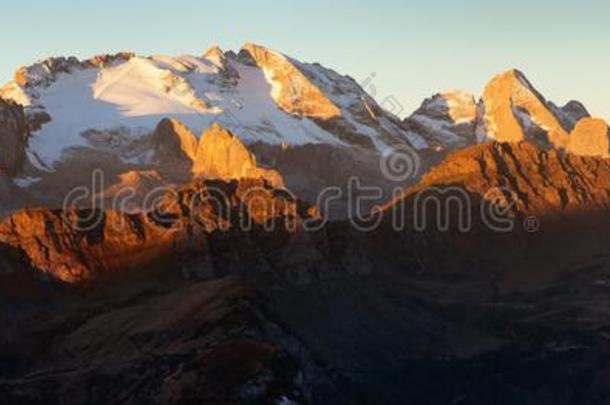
(132, 94)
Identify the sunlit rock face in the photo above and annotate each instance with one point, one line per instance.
(218, 154)
(46, 71)
(336, 103)
(221, 155)
(446, 120)
(76, 246)
(512, 110)
(259, 94)
(531, 181)
(291, 89)
(590, 138)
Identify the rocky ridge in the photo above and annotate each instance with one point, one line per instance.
(14, 134)
(219, 312)
(531, 181)
(255, 293)
(76, 246)
(447, 120)
(171, 140)
(259, 94)
(218, 154)
(510, 110)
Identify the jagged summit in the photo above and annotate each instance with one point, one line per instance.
(291, 89)
(263, 96)
(218, 154)
(214, 53)
(260, 94)
(531, 181)
(222, 155)
(172, 140)
(446, 119)
(46, 71)
(226, 69)
(511, 109)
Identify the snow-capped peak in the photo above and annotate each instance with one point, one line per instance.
(446, 119)
(260, 95)
(510, 110)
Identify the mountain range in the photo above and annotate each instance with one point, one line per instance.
(196, 262)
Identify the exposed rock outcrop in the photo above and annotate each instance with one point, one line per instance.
(337, 104)
(510, 110)
(533, 181)
(513, 111)
(76, 246)
(173, 141)
(46, 71)
(37, 118)
(291, 89)
(100, 61)
(575, 111)
(217, 57)
(221, 155)
(14, 133)
(590, 137)
(447, 120)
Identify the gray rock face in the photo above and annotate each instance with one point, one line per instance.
(45, 72)
(14, 134)
(5, 189)
(172, 140)
(446, 120)
(575, 110)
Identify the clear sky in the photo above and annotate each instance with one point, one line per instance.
(412, 48)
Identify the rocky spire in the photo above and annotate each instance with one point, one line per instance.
(221, 154)
(172, 140)
(513, 110)
(218, 58)
(215, 55)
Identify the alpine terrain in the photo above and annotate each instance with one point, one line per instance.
(243, 227)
